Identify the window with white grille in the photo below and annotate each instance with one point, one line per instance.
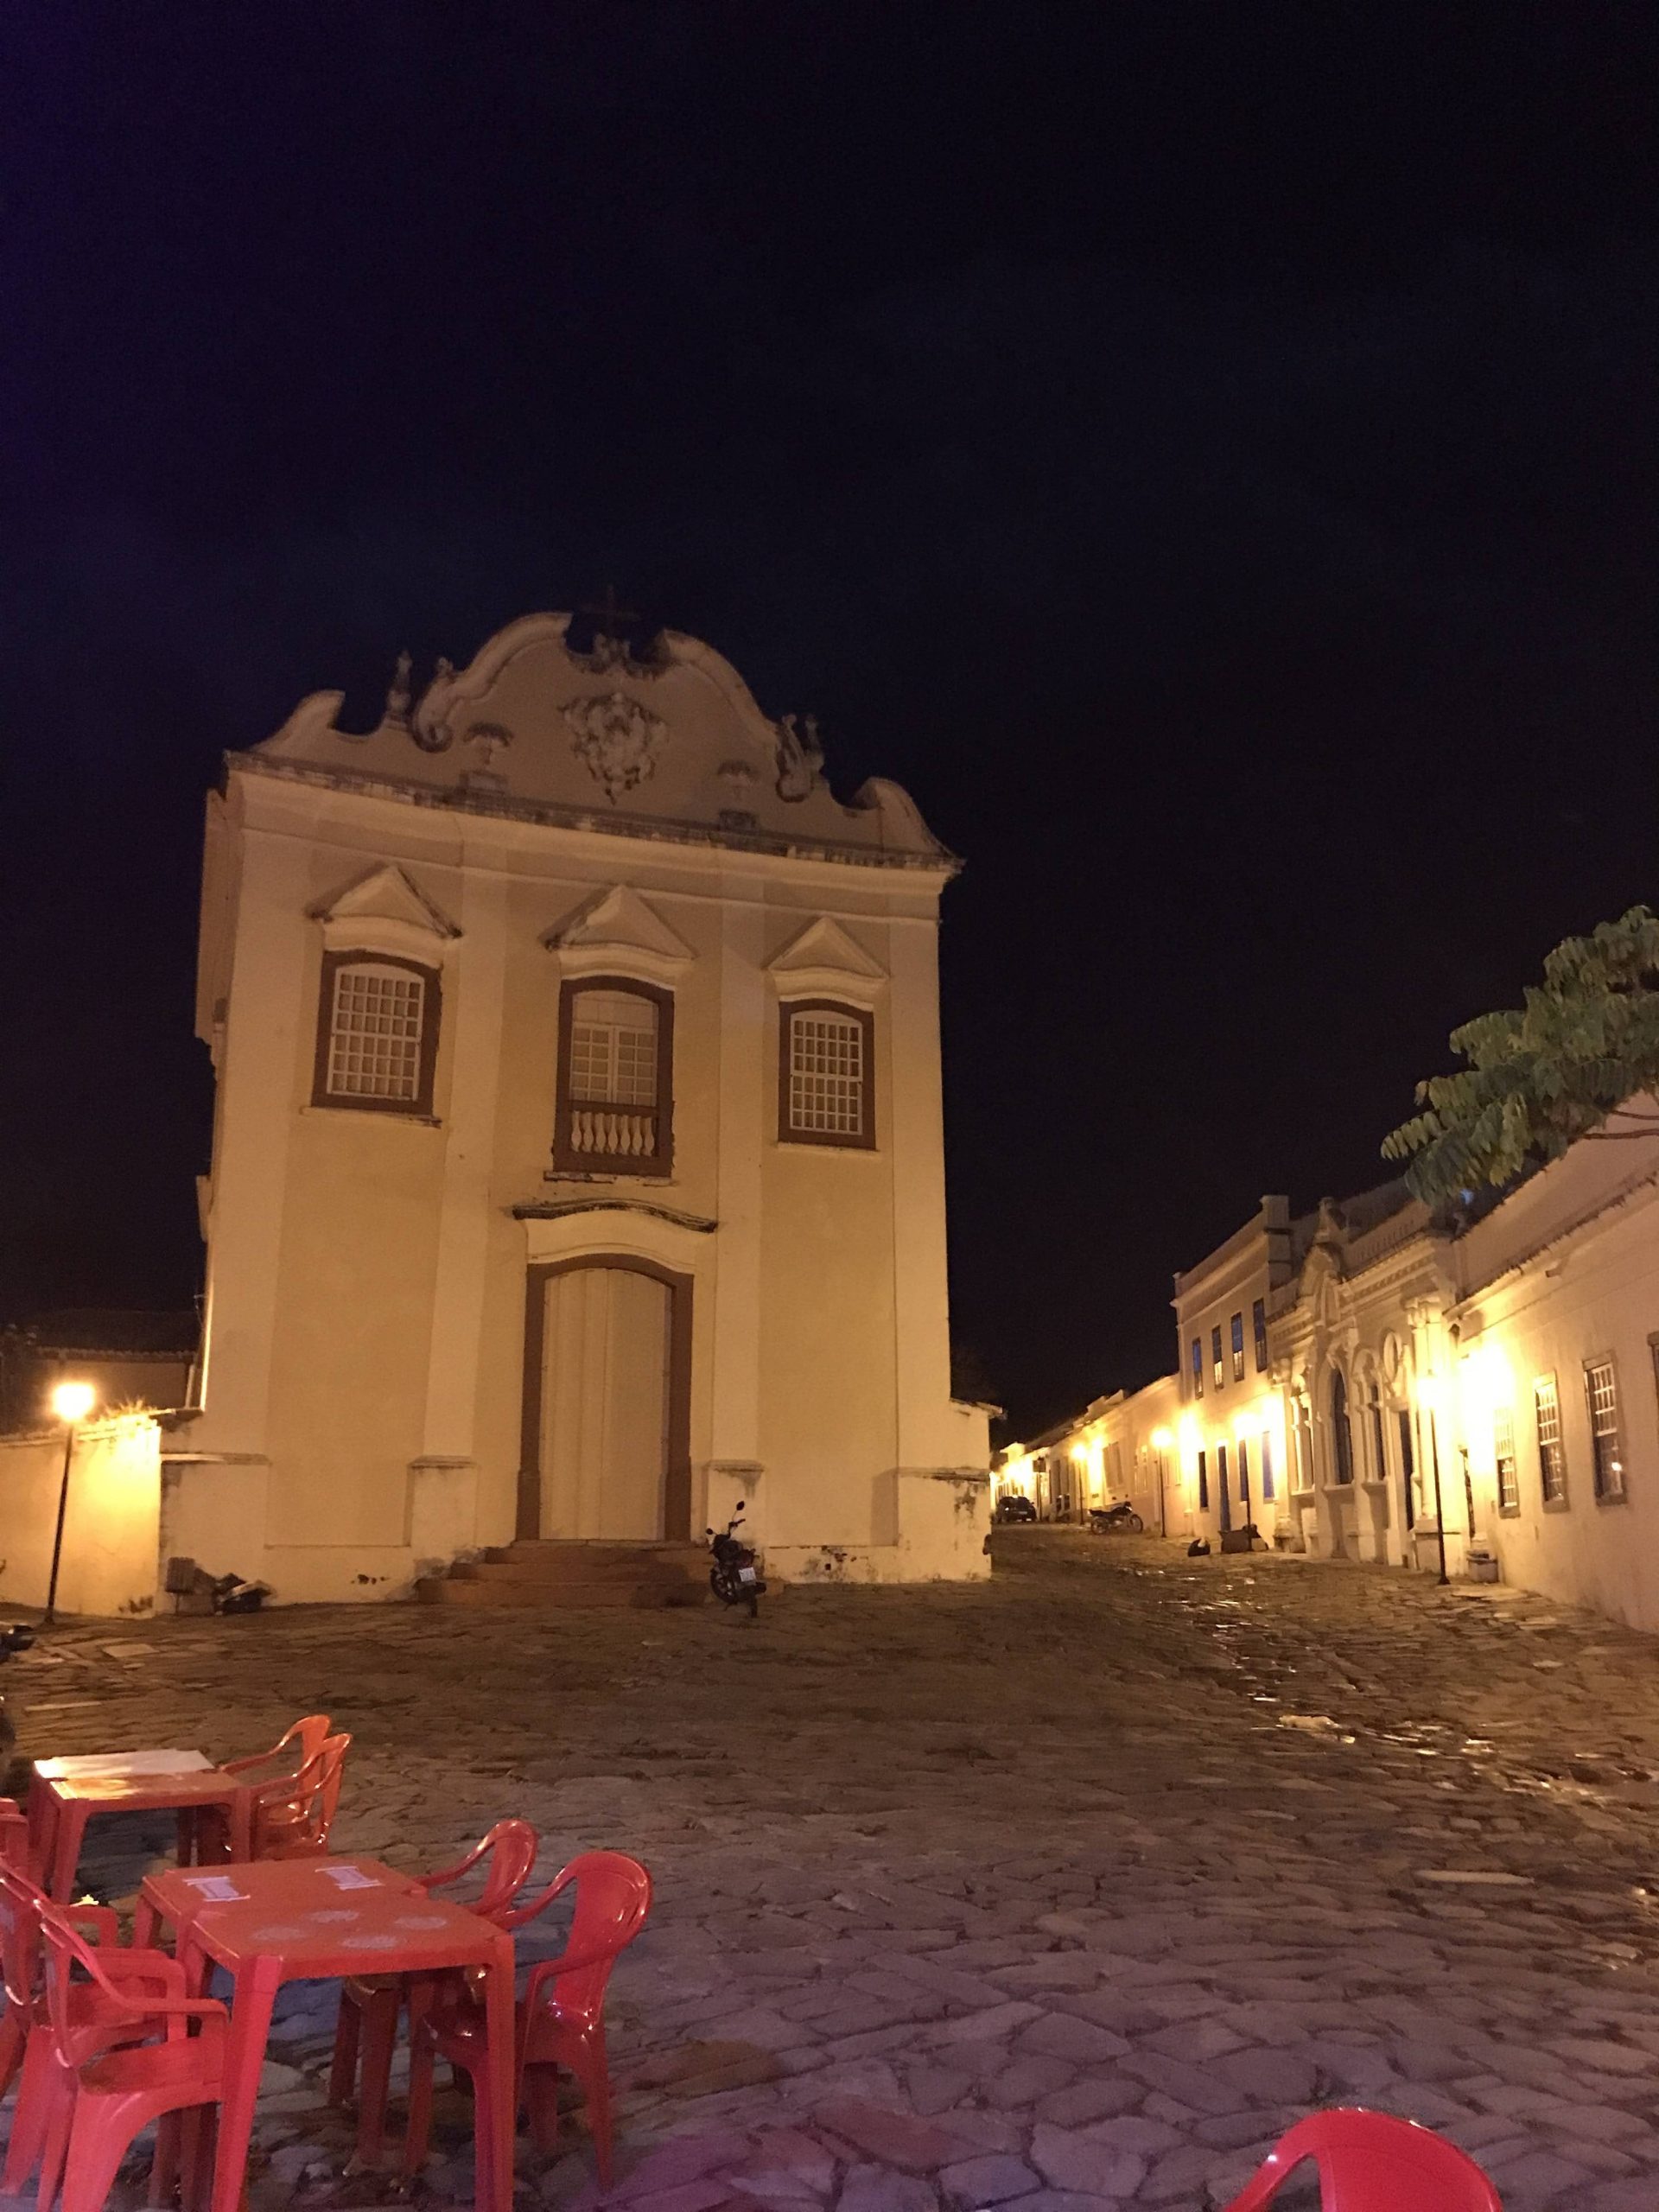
(614, 1049)
(827, 1078)
(1552, 1460)
(1508, 1485)
(377, 1035)
(1601, 1388)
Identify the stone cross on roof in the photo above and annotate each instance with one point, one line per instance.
(607, 614)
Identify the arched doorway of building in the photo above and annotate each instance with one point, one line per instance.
(608, 1402)
(1342, 1435)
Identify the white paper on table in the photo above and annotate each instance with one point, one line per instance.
(123, 1765)
(216, 1888)
(350, 1877)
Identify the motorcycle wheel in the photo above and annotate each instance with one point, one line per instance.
(1133, 1523)
(725, 1586)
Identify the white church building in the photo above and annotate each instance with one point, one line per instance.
(577, 1162)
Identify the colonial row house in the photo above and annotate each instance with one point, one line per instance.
(577, 1166)
(1473, 1393)
(1119, 1451)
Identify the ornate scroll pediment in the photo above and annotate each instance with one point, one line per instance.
(616, 740)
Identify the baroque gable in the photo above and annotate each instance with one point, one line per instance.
(663, 739)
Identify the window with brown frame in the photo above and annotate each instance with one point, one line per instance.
(1601, 1392)
(826, 1074)
(615, 1109)
(1504, 1471)
(377, 1021)
(1552, 1460)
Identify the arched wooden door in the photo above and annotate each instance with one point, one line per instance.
(607, 1390)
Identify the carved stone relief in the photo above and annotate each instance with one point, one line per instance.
(800, 755)
(489, 739)
(616, 740)
(428, 728)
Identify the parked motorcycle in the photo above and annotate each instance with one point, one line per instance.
(734, 1578)
(1121, 1519)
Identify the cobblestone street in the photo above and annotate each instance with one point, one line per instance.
(1073, 1889)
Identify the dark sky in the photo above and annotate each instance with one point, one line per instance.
(1206, 454)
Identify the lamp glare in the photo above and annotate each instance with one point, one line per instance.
(73, 1402)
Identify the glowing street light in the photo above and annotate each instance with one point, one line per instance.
(70, 1402)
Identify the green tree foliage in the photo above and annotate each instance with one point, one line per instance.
(1565, 1064)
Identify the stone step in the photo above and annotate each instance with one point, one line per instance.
(441, 1590)
(532, 1573)
(575, 1562)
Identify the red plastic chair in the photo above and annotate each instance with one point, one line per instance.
(1370, 2162)
(309, 1734)
(205, 1834)
(369, 2006)
(26, 2033)
(292, 1816)
(109, 2096)
(560, 2016)
(14, 1834)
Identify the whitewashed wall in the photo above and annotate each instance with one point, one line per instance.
(110, 1530)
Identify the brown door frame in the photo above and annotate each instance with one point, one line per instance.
(676, 1478)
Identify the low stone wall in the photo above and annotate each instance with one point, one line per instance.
(111, 1531)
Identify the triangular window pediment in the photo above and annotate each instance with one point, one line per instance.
(824, 958)
(824, 943)
(617, 929)
(386, 911)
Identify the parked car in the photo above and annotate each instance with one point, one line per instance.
(1012, 1507)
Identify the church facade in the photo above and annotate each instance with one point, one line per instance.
(578, 1165)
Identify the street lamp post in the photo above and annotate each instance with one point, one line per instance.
(70, 1402)
(1428, 1392)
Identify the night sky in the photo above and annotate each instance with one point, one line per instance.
(1205, 454)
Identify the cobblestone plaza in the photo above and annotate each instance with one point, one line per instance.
(1071, 1890)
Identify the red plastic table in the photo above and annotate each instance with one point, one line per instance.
(60, 1805)
(317, 1919)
